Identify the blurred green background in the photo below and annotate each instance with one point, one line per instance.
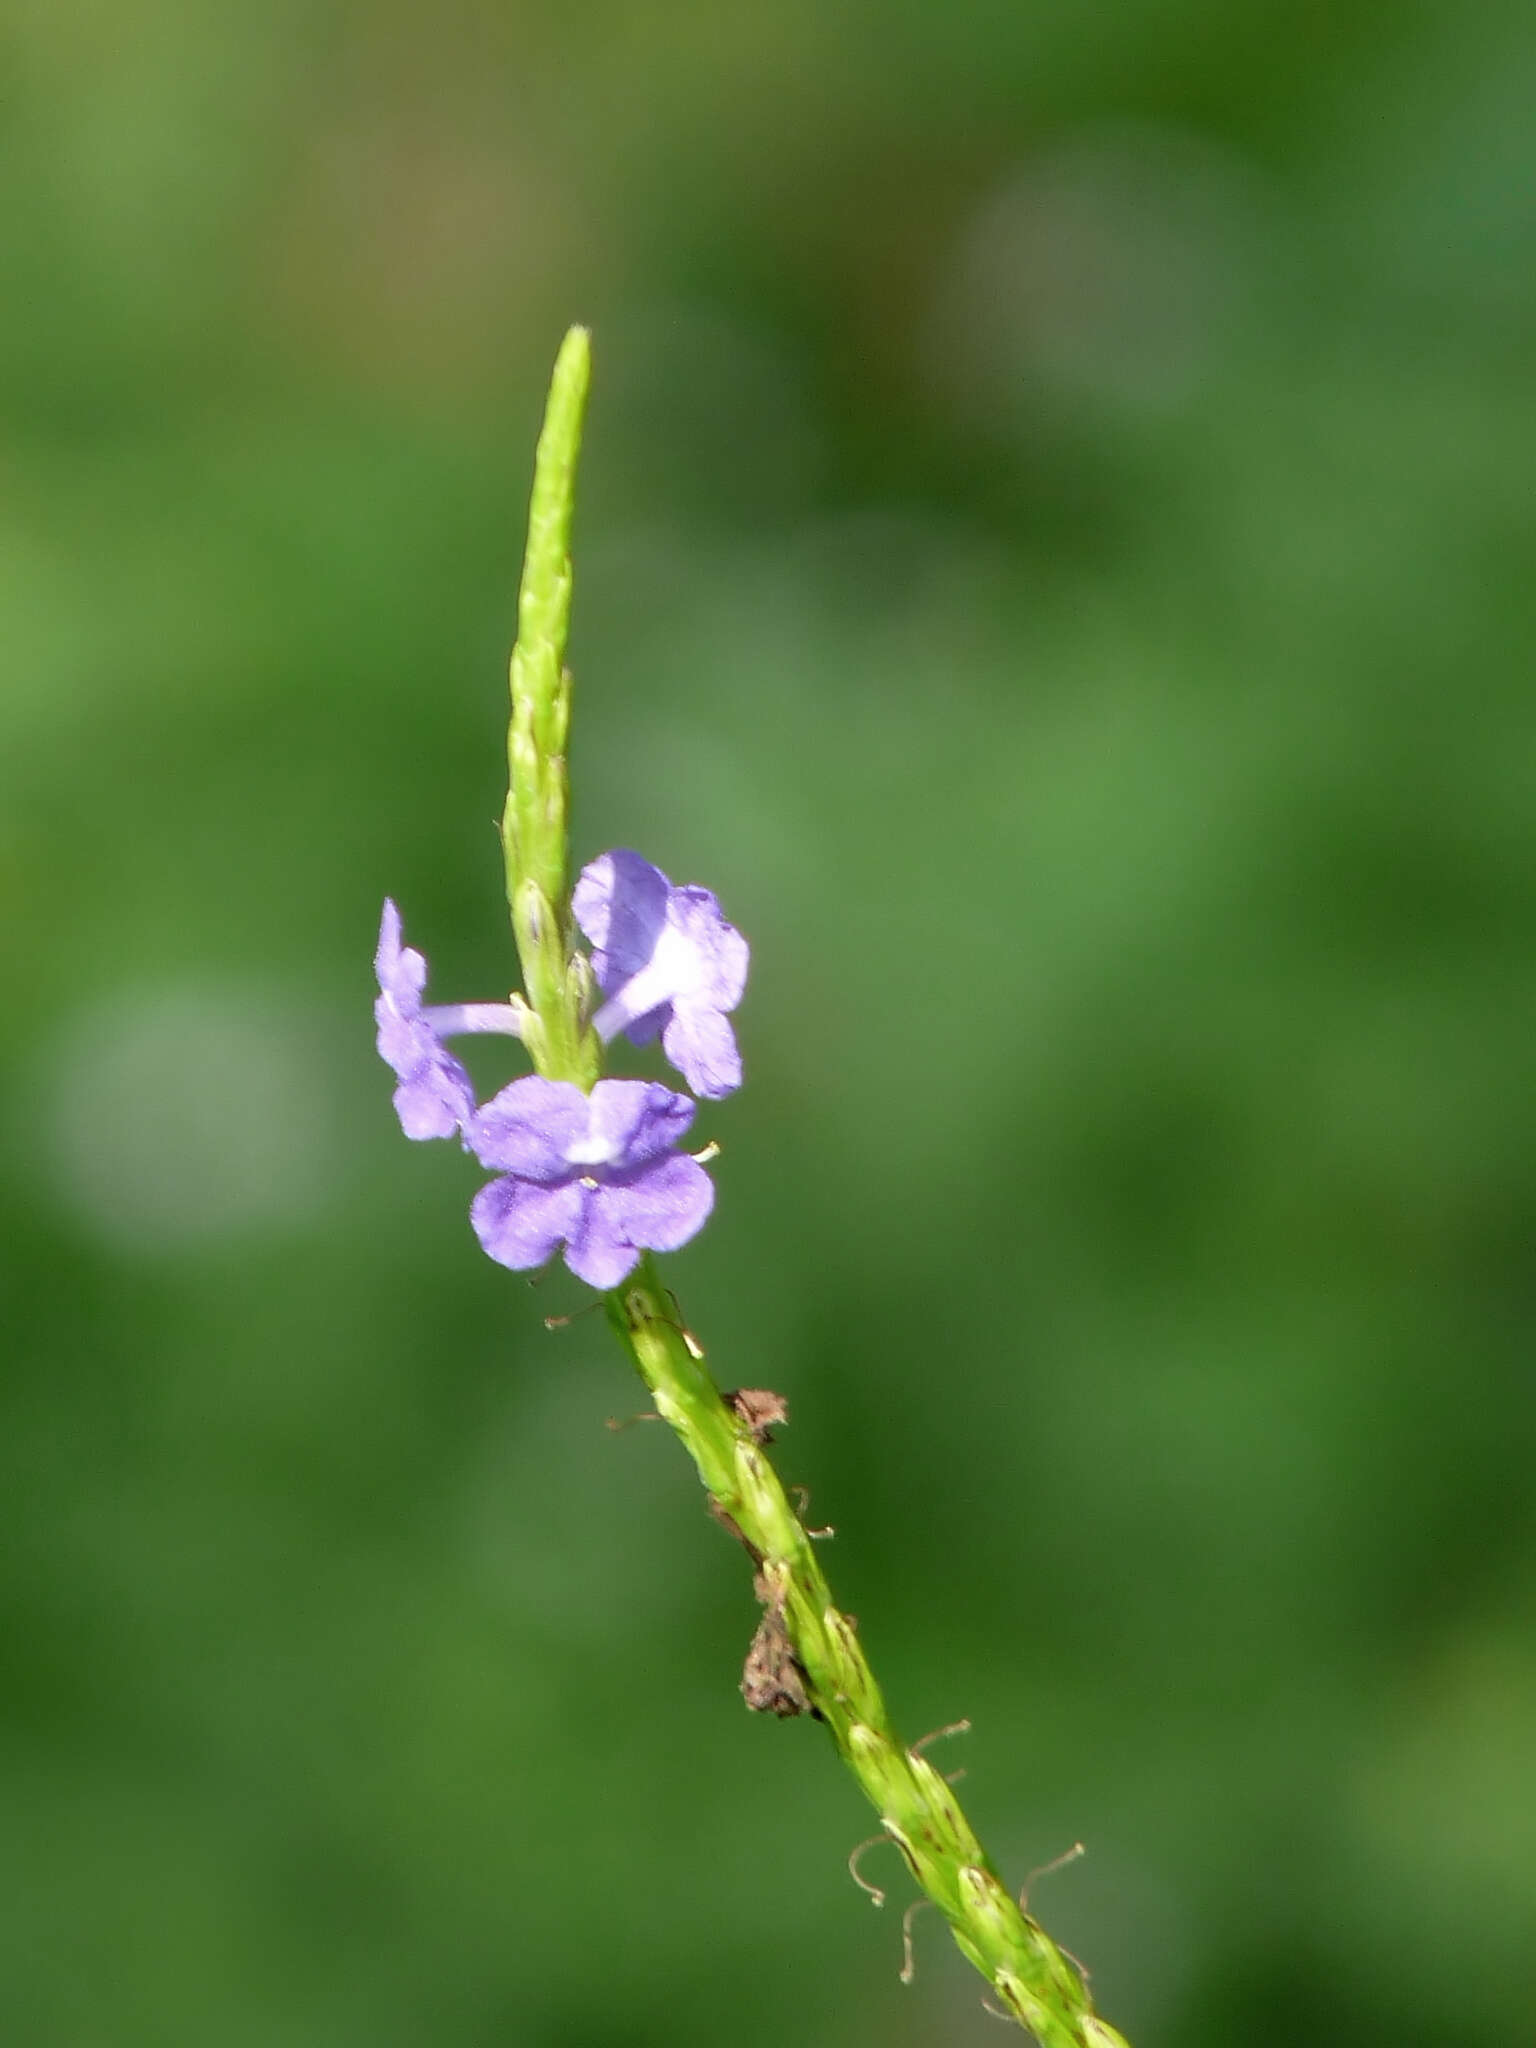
(1056, 555)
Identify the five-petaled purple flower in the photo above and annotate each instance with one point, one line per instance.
(667, 961)
(435, 1097)
(596, 1173)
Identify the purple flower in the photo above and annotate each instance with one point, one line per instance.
(667, 961)
(435, 1097)
(596, 1173)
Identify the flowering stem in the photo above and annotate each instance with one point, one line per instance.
(810, 1660)
(535, 828)
(1032, 1978)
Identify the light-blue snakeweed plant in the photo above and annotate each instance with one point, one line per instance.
(592, 1167)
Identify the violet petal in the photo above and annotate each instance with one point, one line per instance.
(722, 951)
(521, 1224)
(661, 1208)
(600, 1251)
(702, 1046)
(637, 1121)
(620, 902)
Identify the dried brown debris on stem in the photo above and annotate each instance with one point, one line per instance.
(773, 1680)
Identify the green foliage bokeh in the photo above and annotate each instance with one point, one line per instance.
(1055, 555)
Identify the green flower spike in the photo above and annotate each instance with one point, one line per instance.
(535, 824)
(806, 1657)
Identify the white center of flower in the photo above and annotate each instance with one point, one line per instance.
(676, 970)
(676, 961)
(591, 1151)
